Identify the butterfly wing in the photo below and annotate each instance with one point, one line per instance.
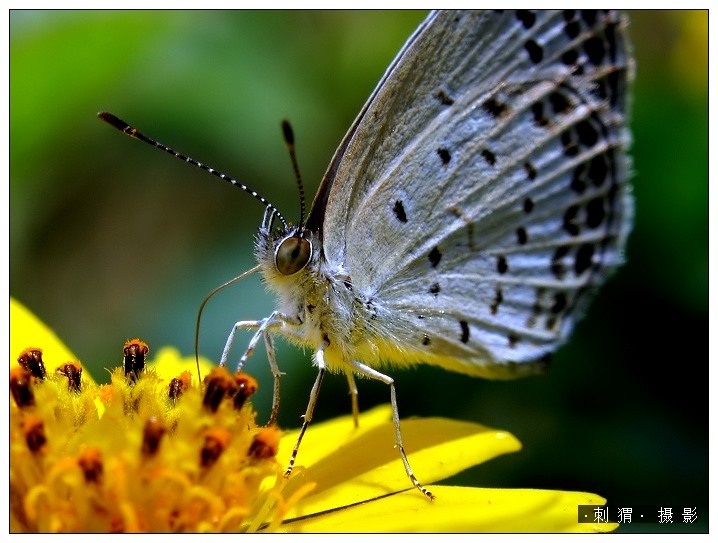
(482, 193)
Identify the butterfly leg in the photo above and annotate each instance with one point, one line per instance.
(355, 398)
(269, 343)
(263, 328)
(373, 374)
(275, 321)
(319, 361)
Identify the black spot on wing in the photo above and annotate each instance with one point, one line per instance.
(572, 29)
(528, 205)
(502, 265)
(530, 171)
(570, 57)
(534, 50)
(495, 108)
(559, 302)
(444, 155)
(587, 134)
(464, 331)
(598, 168)
(521, 235)
(435, 257)
(527, 18)
(489, 157)
(399, 211)
(559, 103)
(595, 212)
(595, 50)
(584, 258)
(443, 98)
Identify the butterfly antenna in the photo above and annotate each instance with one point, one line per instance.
(289, 141)
(131, 131)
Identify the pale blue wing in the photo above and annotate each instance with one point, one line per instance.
(482, 194)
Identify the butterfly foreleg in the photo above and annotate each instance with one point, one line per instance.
(275, 321)
(264, 328)
(269, 343)
(319, 361)
(373, 374)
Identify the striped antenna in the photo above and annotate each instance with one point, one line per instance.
(131, 131)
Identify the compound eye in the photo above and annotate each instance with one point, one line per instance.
(292, 255)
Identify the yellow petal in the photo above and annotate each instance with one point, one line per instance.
(459, 509)
(360, 465)
(324, 437)
(26, 330)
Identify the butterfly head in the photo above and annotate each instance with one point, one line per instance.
(286, 250)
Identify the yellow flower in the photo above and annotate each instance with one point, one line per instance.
(150, 452)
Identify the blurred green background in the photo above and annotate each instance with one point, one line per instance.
(112, 239)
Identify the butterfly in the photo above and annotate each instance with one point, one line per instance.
(475, 204)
